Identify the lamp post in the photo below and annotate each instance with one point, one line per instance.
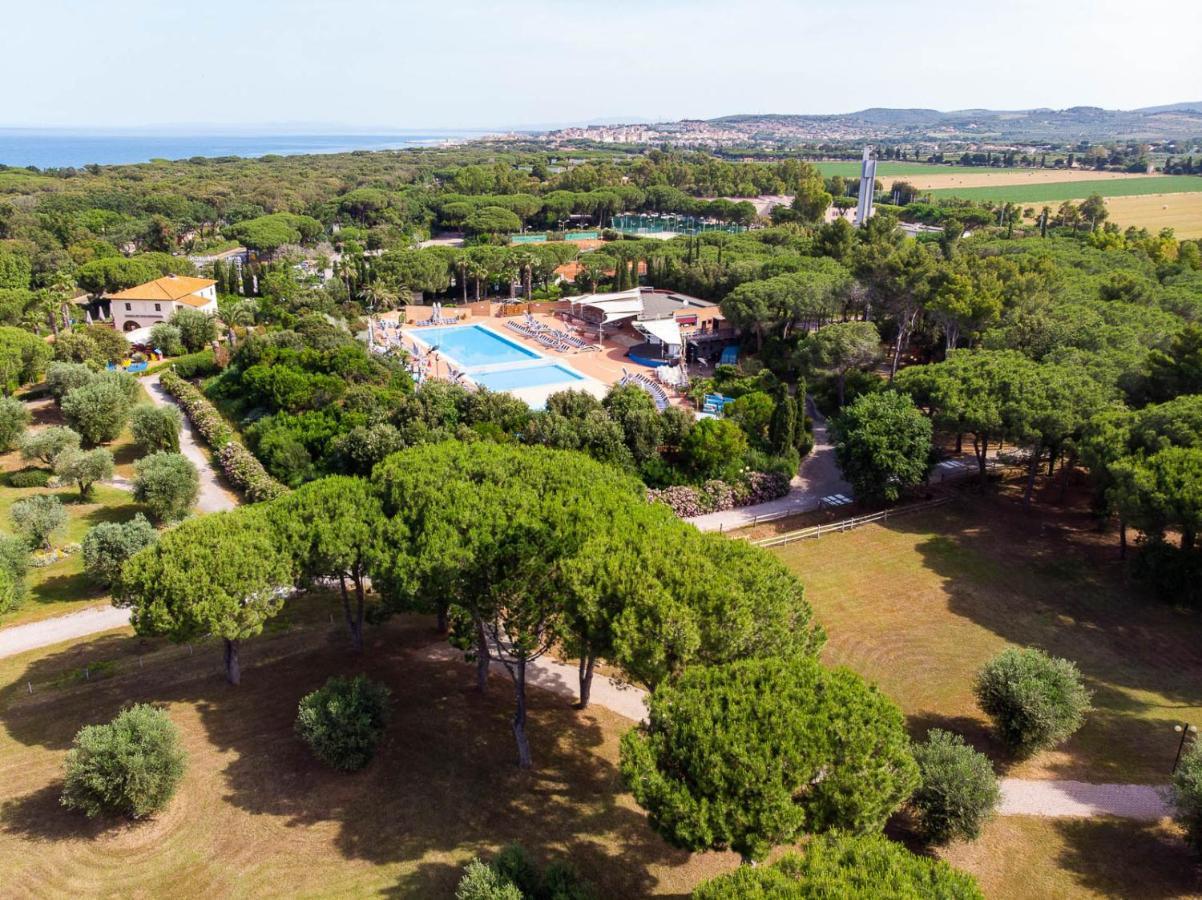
(1185, 730)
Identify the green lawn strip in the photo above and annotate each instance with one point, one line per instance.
(1059, 191)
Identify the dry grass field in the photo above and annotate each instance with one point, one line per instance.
(1002, 177)
(1181, 212)
(920, 602)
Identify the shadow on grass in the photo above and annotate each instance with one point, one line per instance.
(444, 783)
(41, 817)
(1043, 579)
(1120, 858)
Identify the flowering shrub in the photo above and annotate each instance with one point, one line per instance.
(241, 467)
(714, 496)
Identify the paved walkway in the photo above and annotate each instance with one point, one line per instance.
(1020, 797)
(1077, 799)
(214, 495)
(19, 638)
(819, 477)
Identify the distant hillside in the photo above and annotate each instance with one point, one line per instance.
(1177, 121)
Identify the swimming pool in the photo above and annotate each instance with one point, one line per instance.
(474, 345)
(525, 377)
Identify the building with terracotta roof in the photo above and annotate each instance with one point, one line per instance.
(155, 301)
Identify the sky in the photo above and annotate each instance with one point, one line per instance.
(379, 65)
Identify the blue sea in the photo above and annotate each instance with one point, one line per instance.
(58, 149)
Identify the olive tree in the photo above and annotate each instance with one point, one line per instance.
(107, 546)
(14, 419)
(130, 766)
(97, 411)
(84, 468)
(45, 445)
(957, 791)
(1036, 701)
(167, 483)
(37, 518)
(751, 754)
(222, 574)
(156, 427)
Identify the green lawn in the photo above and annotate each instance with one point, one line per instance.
(1059, 191)
(919, 603)
(63, 587)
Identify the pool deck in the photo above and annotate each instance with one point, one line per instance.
(601, 368)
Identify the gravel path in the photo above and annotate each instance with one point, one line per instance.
(818, 478)
(1020, 797)
(19, 638)
(214, 495)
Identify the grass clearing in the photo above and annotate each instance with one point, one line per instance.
(257, 816)
(1030, 858)
(918, 603)
(1059, 191)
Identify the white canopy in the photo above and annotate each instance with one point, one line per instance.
(666, 331)
(139, 335)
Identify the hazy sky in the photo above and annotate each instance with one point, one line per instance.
(469, 63)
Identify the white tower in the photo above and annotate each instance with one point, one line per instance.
(867, 186)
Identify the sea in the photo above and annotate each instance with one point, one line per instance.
(59, 149)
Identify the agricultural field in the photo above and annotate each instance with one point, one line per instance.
(934, 177)
(920, 603)
(1181, 212)
(1060, 190)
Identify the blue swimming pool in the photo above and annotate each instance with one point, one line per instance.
(528, 376)
(474, 345)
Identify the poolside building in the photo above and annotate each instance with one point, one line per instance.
(657, 326)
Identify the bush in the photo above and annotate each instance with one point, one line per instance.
(957, 791)
(44, 446)
(167, 483)
(156, 427)
(14, 419)
(113, 345)
(1036, 701)
(14, 563)
(196, 365)
(481, 881)
(343, 720)
(27, 478)
(64, 377)
(84, 468)
(77, 347)
(108, 545)
(23, 358)
(97, 411)
(513, 875)
(715, 495)
(166, 339)
(1186, 794)
(838, 865)
(196, 329)
(129, 767)
(37, 518)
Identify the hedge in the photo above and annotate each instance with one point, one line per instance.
(240, 466)
(713, 496)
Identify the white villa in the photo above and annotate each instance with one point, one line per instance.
(155, 301)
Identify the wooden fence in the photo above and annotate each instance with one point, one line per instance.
(816, 531)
